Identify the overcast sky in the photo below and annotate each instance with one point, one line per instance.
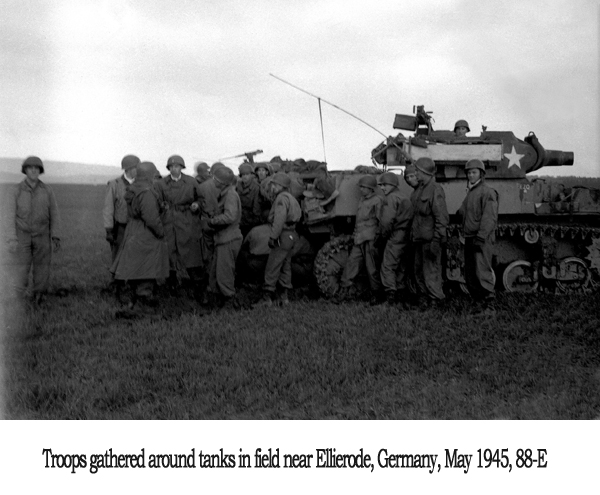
(91, 81)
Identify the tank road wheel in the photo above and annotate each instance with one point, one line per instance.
(518, 277)
(573, 275)
(531, 236)
(330, 262)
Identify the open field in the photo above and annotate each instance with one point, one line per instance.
(539, 358)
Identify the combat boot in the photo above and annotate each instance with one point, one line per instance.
(231, 304)
(376, 298)
(390, 297)
(266, 300)
(283, 297)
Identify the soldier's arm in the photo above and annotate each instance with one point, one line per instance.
(280, 209)
(149, 212)
(11, 213)
(404, 214)
(54, 216)
(230, 212)
(108, 212)
(489, 215)
(440, 215)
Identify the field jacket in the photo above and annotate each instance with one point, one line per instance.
(227, 220)
(115, 207)
(368, 218)
(479, 212)
(32, 210)
(396, 216)
(284, 214)
(250, 200)
(430, 214)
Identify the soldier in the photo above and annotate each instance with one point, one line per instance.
(263, 171)
(144, 256)
(410, 176)
(395, 221)
(202, 172)
(33, 228)
(114, 213)
(227, 239)
(461, 128)
(479, 214)
(283, 217)
(249, 193)
(365, 250)
(179, 196)
(428, 232)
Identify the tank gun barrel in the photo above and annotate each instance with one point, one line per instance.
(557, 158)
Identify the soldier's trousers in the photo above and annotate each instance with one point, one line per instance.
(393, 266)
(118, 235)
(34, 251)
(428, 271)
(222, 268)
(479, 274)
(367, 255)
(279, 263)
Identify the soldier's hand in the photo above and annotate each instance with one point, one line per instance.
(56, 244)
(273, 243)
(110, 236)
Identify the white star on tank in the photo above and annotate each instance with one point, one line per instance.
(514, 158)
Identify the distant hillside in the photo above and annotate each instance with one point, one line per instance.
(60, 172)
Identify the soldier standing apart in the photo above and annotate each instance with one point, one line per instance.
(283, 217)
(248, 191)
(395, 221)
(34, 225)
(428, 232)
(227, 239)
(114, 213)
(179, 196)
(479, 214)
(364, 251)
(144, 256)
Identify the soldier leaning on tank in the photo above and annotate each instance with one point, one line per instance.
(179, 196)
(143, 257)
(479, 215)
(283, 217)
(365, 249)
(461, 128)
(114, 213)
(249, 192)
(33, 229)
(395, 221)
(227, 239)
(428, 231)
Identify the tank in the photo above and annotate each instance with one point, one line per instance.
(548, 235)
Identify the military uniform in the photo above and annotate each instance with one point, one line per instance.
(395, 221)
(251, 205)
(428, 233)
(283, 216)
(208, 198)
(114, 213)
(227, 242)
(182, 228)
(479, 213)
(33, 223)
(364, 251)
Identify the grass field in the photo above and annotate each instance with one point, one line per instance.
(539, 358)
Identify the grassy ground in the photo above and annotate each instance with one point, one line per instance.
(539, 358)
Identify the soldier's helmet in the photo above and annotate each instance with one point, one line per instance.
(175, 160)
(409, 169)
(224, 175)
(475, 163)
(202, 168)
(146, 170)
(462, 123)
(32, 161)
(215, 166)
(245, 168)
(425, 165)
(367, 181)
(282, 179)
(265, 165)
(129, 161)
(389, 178)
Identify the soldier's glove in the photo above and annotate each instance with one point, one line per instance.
(273, 243)
(110, 236)
(56, 244)
(436, 247)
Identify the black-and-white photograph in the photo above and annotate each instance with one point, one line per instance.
(300, 210)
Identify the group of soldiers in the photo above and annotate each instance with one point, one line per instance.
(189, 230)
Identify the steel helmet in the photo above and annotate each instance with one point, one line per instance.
(129, 161)
(265, 165)
(32, 161)
(389, 178)
(282, 179)
(245, 168)
(175, 160)
(475, 163)
(215, 166)
(425, 165)
(146, 170)
(367, 181)
(224, 175)
(462, 123)
(409, 169)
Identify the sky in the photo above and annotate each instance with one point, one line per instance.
(92, 81)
